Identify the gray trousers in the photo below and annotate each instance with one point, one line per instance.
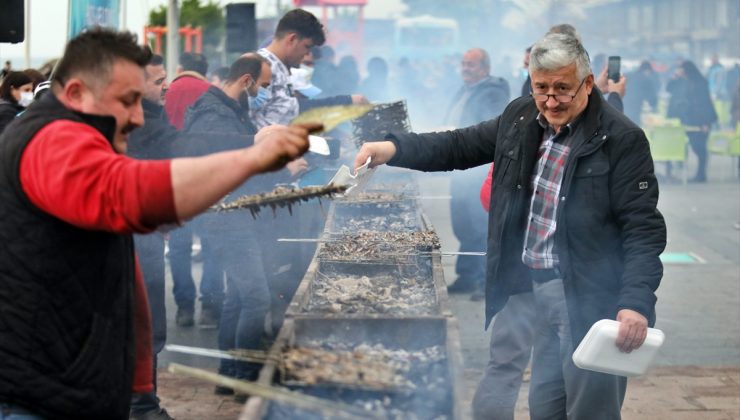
(511, 346)
(559, 390)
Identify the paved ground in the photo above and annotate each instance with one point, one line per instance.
(697, 373)
(665, 393)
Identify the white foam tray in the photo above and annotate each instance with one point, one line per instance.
(598, 351)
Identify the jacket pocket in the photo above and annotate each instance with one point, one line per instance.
(588, 202)
(592, 178)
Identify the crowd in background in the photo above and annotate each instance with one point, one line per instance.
(422, 82)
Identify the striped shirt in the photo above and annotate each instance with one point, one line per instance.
(281, 106)
(546, 182)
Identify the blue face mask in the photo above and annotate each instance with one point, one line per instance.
(257, 102)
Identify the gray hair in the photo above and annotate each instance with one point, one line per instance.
(556, 51)
(565, 29)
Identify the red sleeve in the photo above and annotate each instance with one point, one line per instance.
(485, 190)
(143, 366)
(71, 171)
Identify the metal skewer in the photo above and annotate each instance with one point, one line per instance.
(302, 401)
(255, 356)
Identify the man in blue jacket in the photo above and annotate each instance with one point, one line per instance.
(573, 218)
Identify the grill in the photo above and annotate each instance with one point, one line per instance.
(374, 291)
(391, 117)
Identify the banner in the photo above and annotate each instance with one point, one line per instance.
(89, 13)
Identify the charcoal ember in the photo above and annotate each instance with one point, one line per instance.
(392, 117)
(377, 295)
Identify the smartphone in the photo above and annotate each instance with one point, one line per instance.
(613, 68)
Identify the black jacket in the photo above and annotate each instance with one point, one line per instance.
(216, 123)
(487, 101)
(66, 295)
(157, 139)
(690, 102)
(8, 111)
(610, 233)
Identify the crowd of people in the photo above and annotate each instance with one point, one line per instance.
(106, 164)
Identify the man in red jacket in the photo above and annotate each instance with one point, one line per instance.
(75, 337)
(186, 88)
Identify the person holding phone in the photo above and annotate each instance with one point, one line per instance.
(610, 81)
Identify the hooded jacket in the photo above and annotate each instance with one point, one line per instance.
(609, 231)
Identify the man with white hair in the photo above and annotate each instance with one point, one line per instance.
(573, 219)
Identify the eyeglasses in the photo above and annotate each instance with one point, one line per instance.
(560, 97)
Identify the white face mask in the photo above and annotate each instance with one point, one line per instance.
(309, 71)
(26, 99)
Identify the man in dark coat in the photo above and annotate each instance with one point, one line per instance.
(573, 218)
(481, 98)
(219, 117)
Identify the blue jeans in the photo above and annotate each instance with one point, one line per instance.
(239, 252)
(180, 256)
(15, 412)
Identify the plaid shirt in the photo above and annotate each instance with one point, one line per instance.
(282, 106)
(546, 183)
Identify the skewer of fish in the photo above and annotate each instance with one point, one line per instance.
(415, 238)
(280, 197)
(302, 362)
(442, 253)
(283, 396)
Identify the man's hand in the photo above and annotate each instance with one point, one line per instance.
(297, 166)
(275, 146)
(602, 83)
(619, 87)
(380, 152)
(632, 330)
(266, 132)
(359, 100)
